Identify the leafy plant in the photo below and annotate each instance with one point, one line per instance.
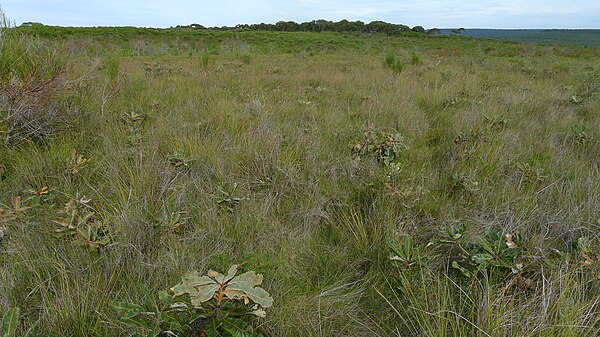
(181, 159)
(465, 181)
(134, 122)
(13, 213)
(408, 255)
(581, 134)
(385, 146)
(77, 162)
(494, 252)
(586, 252)
(38, 194)
(208, 305)
(82, 226)
(228, 198)
(530, 173)
(10, 321)
(174, 224)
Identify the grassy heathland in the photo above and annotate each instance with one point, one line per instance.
(383, 186)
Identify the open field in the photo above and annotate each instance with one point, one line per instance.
(310, 158)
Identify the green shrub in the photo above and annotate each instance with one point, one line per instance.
(202, 305)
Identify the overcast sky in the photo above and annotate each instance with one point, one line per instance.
(432, 13)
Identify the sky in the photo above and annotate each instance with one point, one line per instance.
(429, 14)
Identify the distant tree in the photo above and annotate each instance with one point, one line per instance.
(378, 27)
(418, 29)
(323, 25)
(404, 28)
(458, 30)
(434, 31)
(31, 24)
(319, 26)
(287, 26)
(305, 27)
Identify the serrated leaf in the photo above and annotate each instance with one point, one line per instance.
(231, 273)
(204, 294)
(234, 294)
(248, 283)
(249, 278)
(194, 279)
(256, 294)
(182, 289)
(10, 321)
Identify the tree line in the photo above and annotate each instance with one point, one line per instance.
(343, 26)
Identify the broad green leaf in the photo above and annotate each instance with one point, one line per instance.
(10, 320)
(216, 276)
(486, 245)
(131, 313)
(194, 279)
(211, 329)
(182, 288)
(127, 309)
(205, 293)
(233, 327)
(248, 283)
(256, 294)
(482, 259)
(231, 273)
(234, 294)
(250, 278)
(165, 299)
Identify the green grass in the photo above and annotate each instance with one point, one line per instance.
(492, 136)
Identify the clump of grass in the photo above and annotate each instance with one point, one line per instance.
(204, 57)
(415, 59)
(392, 62)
